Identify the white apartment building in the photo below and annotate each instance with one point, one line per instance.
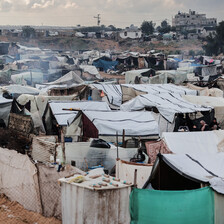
(192, 20)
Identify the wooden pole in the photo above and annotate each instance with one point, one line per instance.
(63, 144)
(123, 139)
(135, 179)
(117, 145)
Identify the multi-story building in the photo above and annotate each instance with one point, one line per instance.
(192, 21)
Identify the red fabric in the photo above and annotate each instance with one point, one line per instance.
(154, 147)
(89, 129)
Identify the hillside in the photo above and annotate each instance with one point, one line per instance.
(74, 43)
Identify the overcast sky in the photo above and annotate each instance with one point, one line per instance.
(120, 13)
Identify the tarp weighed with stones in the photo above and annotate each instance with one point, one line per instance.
(174, 207)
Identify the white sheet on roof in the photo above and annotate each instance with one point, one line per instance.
(91, 70)
(63, 116)
(19, 89)
(168, 104)
(134, 123)
(161, 88)
(193, 142)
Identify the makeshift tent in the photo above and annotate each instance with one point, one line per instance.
(107, 124)
(198, 156)
(113, 93)
(105, 65)
(68, 79)
(205, 91)
(134, 123)
(27, 77)
(16, 90)
(159, 207)
(168, 105)
(216, 102)
(66, 111)
(5, 107)
(129, 91)
(91, 70)
(130, 76)
(38, 105)
(208, 142)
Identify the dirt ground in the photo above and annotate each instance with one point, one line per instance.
(14, 213)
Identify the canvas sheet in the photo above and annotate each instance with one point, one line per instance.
(134, 123)
(168, 104)
(19, 180)
(63, 114)
(161, 88)
(204, 167)
(113, 92)
(194, 142)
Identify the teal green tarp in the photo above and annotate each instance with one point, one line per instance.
(172, 207)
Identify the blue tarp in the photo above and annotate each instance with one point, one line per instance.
(177, 59)
(105, 65)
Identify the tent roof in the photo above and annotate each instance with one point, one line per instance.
(134, 123)
(168, 104)
(91, 70)
(19, 89)
(206, 100)
(113, 92)
(69, 78)
(194, 142)
(64, 117)
(205, 167)
(161, 88)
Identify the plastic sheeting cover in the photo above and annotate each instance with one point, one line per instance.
(134, 123)
(159, 207)
(168, 104)
(63, 116)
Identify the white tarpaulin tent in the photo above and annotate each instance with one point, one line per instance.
(134, 123)
(216, 102)
(207, 142)
(204, 167)
(199, 155)
(68, 79)
(19, 89)
(161, 88)
(168, 105)
(113, 92)
(62, 110)
(91, 70)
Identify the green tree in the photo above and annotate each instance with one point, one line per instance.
(215, 44)
(147, 27)
(164, 27)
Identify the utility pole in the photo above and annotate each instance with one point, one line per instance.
(98, 19)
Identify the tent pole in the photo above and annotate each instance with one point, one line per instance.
(117, 145)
